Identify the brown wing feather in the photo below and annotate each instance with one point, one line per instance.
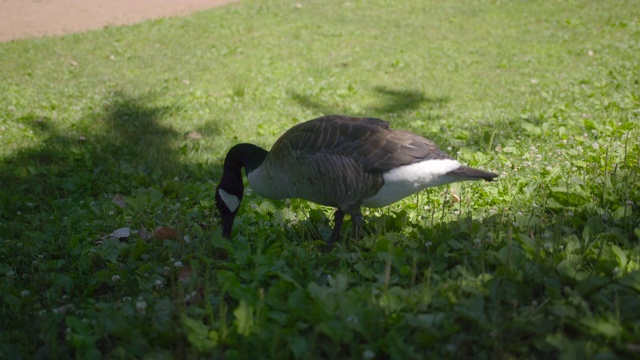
(367, 141)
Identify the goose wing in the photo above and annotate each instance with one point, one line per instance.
(367, 141)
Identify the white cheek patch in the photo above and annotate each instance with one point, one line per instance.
(231, 201)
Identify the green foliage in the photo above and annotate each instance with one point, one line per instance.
(126, 128)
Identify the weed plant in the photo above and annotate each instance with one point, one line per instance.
(112, 143)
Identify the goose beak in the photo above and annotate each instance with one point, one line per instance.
(227, 224)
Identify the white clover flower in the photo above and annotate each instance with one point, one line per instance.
(126, 299)
(178, 264)
(141, 306)
(158, 283)
(368, 354)
(115, 278)
(11, 274)
(187, 239)
(25, 293)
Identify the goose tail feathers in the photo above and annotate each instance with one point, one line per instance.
(467, 173)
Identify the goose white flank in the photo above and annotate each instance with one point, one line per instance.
(342, 162)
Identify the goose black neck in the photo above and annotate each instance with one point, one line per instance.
(248, 156)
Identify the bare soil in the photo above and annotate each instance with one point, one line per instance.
(20, 19)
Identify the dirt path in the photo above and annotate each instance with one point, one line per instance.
(20, 19)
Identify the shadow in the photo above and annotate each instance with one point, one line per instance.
(316, 106)
(400, 101)
(118, 148)
(392, 102)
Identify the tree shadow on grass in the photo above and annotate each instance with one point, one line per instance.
(392, 102)
(404, 100)
(120, 147)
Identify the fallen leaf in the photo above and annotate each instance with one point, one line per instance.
(185, 273)
(121, 233)
(455, 196)
(203, 225)
(195, 297)
(62, 309)
(194, 135)
(143, 234)
(73, 63)
(165, 232)
(119, 200)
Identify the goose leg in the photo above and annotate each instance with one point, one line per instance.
(335, 234)
(356, 219)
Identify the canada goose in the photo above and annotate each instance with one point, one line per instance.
(339, 161)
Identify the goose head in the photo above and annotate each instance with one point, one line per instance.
(230, 190)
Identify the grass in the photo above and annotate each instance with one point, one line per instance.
(545, 262)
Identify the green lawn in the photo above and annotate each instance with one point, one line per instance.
(544, 262)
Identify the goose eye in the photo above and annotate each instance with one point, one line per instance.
(231, 201)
